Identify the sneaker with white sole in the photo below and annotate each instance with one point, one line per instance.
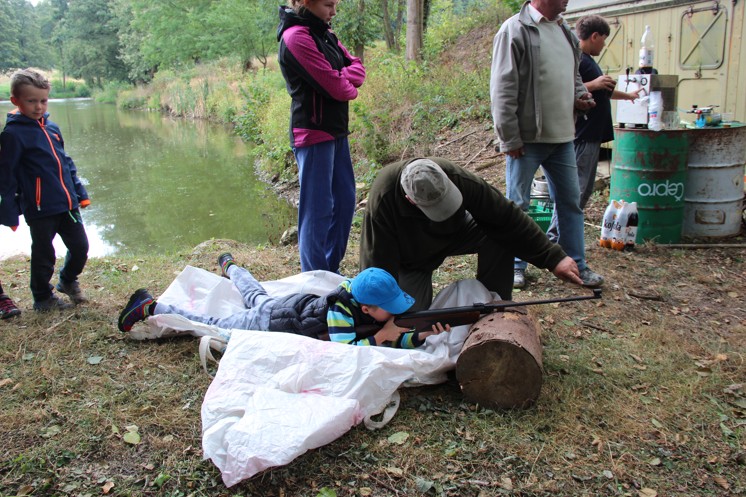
(136, 310)
(519, 278)
(590, 278)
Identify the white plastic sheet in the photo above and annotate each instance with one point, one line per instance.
(277, 395)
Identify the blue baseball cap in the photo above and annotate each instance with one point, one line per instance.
(375, 286)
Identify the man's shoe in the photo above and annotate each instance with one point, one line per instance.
(51, 304)
(225, 261)
(73, 291)
(137, 309)
(519, 278)
(590, 278)
(8, 308)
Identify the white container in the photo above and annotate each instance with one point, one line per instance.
(646, 49)
(608, 223)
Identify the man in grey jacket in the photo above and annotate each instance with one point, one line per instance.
(535, 89)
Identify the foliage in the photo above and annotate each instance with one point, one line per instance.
(110, 92)
(69, 89)
(513, 5)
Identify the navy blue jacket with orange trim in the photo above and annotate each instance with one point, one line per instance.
(37, 177)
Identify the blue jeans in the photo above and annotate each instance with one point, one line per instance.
(558, 161)
(327, 203)
(586, 157)
(259, 305)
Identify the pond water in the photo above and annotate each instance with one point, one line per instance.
(158, 184)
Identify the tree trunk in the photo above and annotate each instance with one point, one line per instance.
(400, 6)
(500, 362)
(388, 32)
(414, 30)
(359, 48)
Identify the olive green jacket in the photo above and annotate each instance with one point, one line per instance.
(397, 235)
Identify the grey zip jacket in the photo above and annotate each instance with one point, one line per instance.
(514, 79)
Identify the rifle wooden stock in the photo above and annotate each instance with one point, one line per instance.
(457, 316)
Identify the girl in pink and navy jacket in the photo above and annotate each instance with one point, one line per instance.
(321, 77)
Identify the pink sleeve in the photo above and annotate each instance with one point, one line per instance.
(355, 72)
(322, 75)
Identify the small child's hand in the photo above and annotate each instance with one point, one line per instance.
(437, 329)
(85, 203)
(390, 332)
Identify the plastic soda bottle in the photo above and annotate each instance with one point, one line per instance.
(646, 51)
(608, 223)
(619, 230)
(631, 232)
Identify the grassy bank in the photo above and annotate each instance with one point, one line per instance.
(642, 394)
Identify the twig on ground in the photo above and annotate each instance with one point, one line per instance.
(528, 478)
(59, 323)
(456, 139)
(596, 327)
(478, 153)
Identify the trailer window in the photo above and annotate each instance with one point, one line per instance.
(703, 38)
(611, 58)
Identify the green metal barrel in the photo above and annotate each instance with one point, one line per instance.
(649, 167)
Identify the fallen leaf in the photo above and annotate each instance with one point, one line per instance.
(399, 437)
(95, 359)
(654, 461)
(107, 487)
(608, 474)
(132, 437)
(6, 381)
(636, 358)
(656, 423)
(51, 431)
(722, 482)
(647, 492)
(365, 491)
(506, 483)
(395, 471)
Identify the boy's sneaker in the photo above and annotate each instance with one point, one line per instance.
(590, 278)
(51, 304)
(73, 291)
(519, 278)
(137, 309)
(8, 308)
(225, 261)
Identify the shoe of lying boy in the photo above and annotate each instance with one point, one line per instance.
(225, 261)
(137, 309)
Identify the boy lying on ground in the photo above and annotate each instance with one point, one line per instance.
(373, 296)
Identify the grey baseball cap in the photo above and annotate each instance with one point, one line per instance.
(431, 190)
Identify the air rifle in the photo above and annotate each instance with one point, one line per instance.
(457, 316)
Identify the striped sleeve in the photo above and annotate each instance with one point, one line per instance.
(341, 325)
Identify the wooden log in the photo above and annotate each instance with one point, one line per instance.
(500, 363)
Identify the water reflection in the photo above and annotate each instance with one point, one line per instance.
(158, 184)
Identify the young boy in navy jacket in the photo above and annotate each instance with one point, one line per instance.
(39, 180)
